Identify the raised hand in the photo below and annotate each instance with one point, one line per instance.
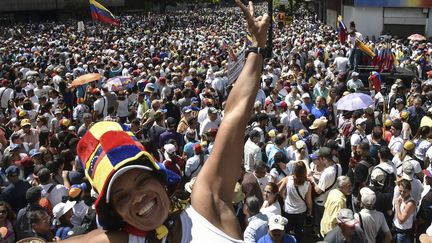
(257, 26)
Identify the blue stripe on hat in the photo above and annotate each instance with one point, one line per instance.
(119, 154)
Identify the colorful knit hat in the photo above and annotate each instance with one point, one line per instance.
(103, 151)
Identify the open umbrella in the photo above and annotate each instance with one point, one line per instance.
(416, 37)
(119, 83)
(355, 101)
(86, 78)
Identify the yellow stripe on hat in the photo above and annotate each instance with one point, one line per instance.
(102, 172)
(98, 129)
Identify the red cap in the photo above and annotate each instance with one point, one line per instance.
(5, 82)
(198, 148)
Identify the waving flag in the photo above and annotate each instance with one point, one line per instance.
(99, 12)
(342, 31)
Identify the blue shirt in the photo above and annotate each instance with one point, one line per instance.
(319, 112)
(256, 229)
(273, 150)
(286, 239)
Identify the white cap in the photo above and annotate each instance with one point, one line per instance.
(277, 222)
(305, 95)
(356, 74)
(368, 197)
(360, 120)
(61, 209)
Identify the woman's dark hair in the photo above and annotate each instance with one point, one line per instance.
(280, 157)
(11, 216)
(44, 138)
(300, 173)
(423, 132)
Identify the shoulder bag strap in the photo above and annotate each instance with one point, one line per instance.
(298, 192)
(334, 182)
(361, 221)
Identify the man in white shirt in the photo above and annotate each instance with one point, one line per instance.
(396, 142)
(5, 93)
(355, 54)
(100, 106)
(341, 63)
(212, 121)
(252, 152)
(372, 221)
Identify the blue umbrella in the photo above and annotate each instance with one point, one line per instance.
(354, 101)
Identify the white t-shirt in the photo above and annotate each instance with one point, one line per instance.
(341, 63)
(101, 105)
(274, 209)
(123, 108)
(328, 176)
(396, 144)
(372, 222)
(358, 138)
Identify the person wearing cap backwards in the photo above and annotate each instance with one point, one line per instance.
(133, 204)
(372, 221)
(405, 210)
(276, 234)
(347, 229)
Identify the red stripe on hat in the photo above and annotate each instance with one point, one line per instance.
(86, 146)
(113, 139)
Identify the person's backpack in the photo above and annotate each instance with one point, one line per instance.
(44, 201)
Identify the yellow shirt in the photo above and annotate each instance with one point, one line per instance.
(336, 200)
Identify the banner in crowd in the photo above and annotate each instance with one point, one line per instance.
(236, 65)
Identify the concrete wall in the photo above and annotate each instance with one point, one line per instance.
(331, 17)
(429, 24)
(369, 21)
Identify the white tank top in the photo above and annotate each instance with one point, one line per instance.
(293, 202)
(408, 224)
(195, 229)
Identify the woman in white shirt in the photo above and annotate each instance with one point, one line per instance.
(271, 205)
(298, 199)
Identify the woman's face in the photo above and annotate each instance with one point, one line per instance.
(268, 194)
(405, 193)
(140, 199)
(3, 213)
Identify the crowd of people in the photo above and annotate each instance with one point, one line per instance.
(173, 130)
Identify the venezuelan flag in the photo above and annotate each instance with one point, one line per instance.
(249, 39)
(99, 12)
(342, 31)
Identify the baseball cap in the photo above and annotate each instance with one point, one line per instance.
(409, 146)
(354, 74)
(186, 109)
(388, 123)
(368, 197)
(407, 171)
(346, 216)
(57, 111)
(254, 133)
(300, 145)
(305, 95)
(12, 171)
(169, 148)
(61, 209)
(194, 100)
(34, 152)
(277, 222)
(399, 101)
(360, 121)
(212, 110)
(25, 122)
(324, 152)
(378, 176)
(14, 146)
(318, 123)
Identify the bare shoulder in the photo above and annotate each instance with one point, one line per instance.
(100, 236)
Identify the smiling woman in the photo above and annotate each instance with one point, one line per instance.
(133, 203)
